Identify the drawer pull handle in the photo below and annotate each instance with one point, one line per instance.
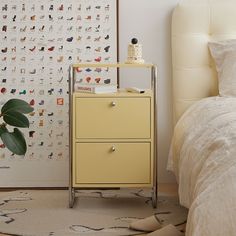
(113, 148)
(113, 104)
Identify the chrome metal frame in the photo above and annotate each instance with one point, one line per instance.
(71, 90)
(155, 153)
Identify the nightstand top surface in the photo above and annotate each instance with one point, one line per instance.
(119, 93)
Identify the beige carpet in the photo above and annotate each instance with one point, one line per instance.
(96, 213)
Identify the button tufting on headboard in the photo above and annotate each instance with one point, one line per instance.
(194, 24)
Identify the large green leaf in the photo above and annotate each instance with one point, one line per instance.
(3, 129)
(14, 141)
(15, 118)
(16, 105)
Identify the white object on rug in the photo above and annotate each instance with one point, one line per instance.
(168, 230)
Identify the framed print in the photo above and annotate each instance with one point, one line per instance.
(98, 41)
(40, 39)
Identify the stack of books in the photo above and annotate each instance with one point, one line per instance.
(93, 88)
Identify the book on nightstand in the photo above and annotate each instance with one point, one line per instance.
(93, 88)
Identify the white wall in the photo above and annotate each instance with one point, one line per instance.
(150, 22)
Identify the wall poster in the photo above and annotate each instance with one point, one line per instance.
(39, 40)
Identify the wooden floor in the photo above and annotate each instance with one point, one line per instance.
(165, 188)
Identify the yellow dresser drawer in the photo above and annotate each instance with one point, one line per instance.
(112, 117)
(112, 163)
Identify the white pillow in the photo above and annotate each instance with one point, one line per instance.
(224, 55)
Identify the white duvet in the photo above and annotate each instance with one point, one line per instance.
(203, 158)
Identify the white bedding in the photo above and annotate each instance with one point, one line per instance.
(203, 158)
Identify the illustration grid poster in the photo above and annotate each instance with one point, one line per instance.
(39, 40)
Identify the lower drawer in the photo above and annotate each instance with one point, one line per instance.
(108, 163)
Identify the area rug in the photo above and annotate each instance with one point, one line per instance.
(95, 213)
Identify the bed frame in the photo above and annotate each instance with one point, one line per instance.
(194, 24)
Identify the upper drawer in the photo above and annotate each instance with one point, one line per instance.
(112, 117)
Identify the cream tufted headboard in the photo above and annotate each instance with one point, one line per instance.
(194, 24)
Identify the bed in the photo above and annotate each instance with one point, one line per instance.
(203, 149)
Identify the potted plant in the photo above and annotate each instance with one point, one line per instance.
(12, 113)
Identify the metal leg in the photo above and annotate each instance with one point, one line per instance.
(155, 155)
(71, 197)
(154, 197)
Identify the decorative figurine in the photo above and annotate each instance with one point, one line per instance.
(134, 52)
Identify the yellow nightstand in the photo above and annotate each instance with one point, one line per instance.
(113, 137)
